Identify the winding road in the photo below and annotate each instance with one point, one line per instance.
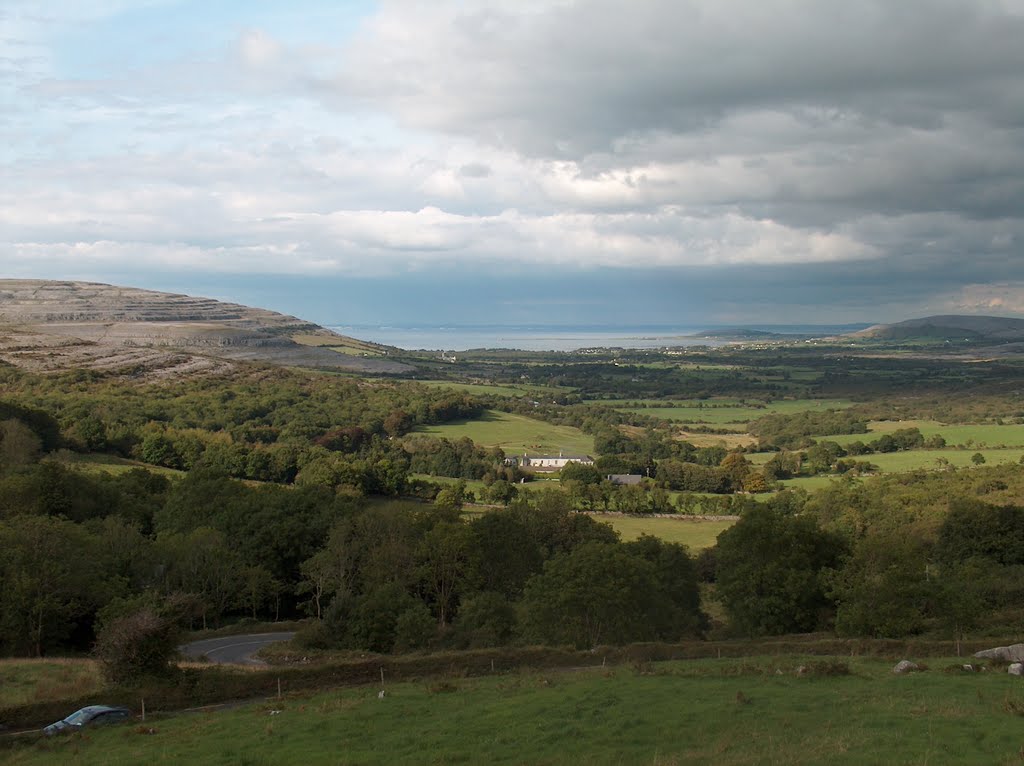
(233, 650)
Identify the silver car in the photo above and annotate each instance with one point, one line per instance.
(94, 715)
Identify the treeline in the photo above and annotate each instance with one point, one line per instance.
(458, 459)
(936, 553)
(253, 415)
(620, 380)
(796, 430)
(78, 552)
(892, 556)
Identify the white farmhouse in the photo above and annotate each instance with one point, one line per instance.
(553, 462)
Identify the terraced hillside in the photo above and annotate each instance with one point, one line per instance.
(49, 326)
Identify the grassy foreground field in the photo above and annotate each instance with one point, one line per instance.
(24, 681)
(516, 434)
(720, 712)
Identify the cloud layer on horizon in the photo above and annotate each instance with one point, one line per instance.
(863, 151)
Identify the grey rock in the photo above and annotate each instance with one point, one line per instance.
(905, 666)
(1016, 669)
(1011, 653)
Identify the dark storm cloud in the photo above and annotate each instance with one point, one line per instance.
(899, 125)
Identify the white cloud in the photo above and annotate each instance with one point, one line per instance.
(998, 298)
(882, 136)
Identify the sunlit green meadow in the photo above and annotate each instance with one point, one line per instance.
(987, 435)
(695, 534)
(723, 412)
(516, 434)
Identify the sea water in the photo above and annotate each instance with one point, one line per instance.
(563, 338)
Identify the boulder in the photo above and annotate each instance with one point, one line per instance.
(905, 666)
(1016, 669)
(1012, 653)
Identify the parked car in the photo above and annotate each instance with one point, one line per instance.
(94, 715)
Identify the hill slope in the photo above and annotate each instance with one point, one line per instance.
(48, 325)
(949, 327)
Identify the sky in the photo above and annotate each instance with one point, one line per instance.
(675, 162)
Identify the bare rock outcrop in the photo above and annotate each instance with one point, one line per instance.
(48, 326)
(1012, 653)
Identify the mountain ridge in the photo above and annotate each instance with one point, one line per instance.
(949, 327)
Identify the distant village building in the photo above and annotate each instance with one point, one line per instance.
(624, 478)
(552, 462)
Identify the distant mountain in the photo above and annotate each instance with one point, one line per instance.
(949, 327)
(49, 325)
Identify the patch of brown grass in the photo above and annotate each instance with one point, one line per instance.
(29, 680)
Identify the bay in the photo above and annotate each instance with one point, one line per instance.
(563, 338)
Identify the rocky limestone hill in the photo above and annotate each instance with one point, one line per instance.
(49, 326)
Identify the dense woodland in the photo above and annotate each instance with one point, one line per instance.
(292, 495)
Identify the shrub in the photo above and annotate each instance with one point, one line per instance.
(135, 646)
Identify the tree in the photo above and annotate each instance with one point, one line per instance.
(735, 468)
(973, 529)
(484, 619)
(204, 563)
(978, 459)
(331, 571)
(597, 593)
(500, 492)
(585, 474)
(445, 556)
(373, 623)
(680, 615)
(884, 590)
(507, 555)
(769, 572)
(19, 445)
(51, 578)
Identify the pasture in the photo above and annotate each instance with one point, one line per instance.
(722, 412)
(973, 435)
(516, 390)
(696, 534)
(515, 434)
(907, 460)
(893, 462)
(724, 712)
(97, 462)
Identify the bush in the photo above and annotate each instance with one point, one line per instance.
(135, 646)
(414, 628)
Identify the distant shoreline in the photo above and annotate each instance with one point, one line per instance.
(566, 338)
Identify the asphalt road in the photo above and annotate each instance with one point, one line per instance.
(233, 650)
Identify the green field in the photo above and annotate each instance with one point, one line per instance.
(971, 435)
(94, 462)
(809, 483)
(722, 712)
(695, 534)
(724, 412)
(501, 390)
(907, 460)
(516, 434)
